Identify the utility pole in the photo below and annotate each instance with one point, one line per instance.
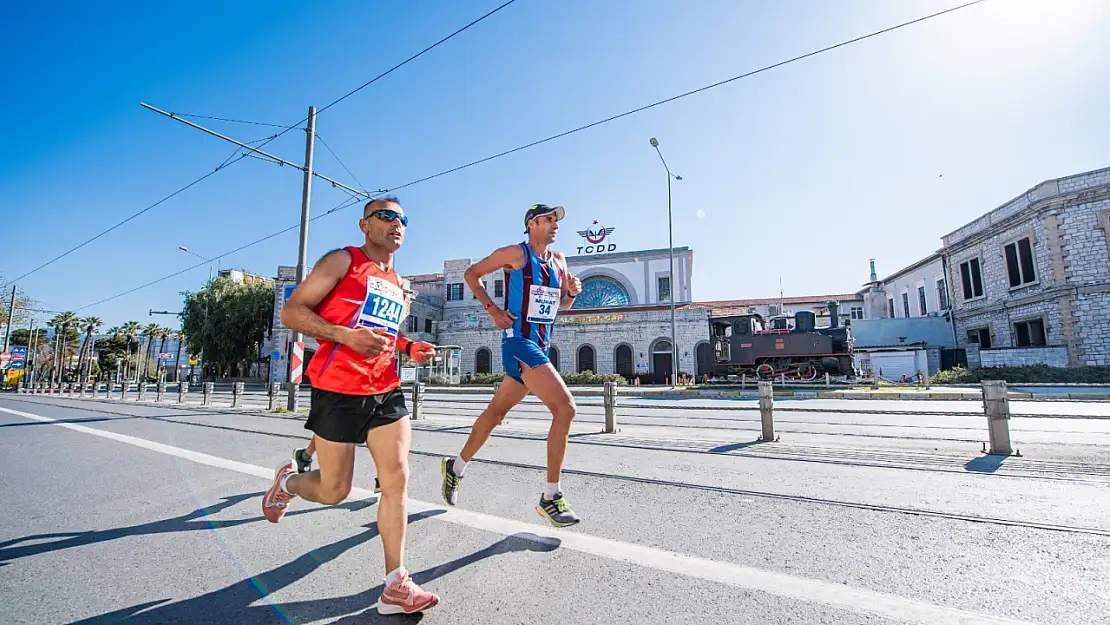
(302, 253)
(11, 313)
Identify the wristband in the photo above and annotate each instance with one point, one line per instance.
(405, 345)
(487, 305)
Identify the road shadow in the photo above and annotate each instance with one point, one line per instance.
(197, 520)
(984, 464)
(236, 604)
(724, 449)
(56, 421)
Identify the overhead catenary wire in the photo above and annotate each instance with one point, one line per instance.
(342, 164)
(599, 122)
(268, 140)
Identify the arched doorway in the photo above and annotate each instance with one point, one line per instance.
(623, 359)
(705, 358)
(482, 360)
(586, 359)
(661, 359)
(553, 356)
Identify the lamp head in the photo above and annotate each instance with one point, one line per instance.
(654, 143)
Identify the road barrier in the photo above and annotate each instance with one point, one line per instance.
(159, 392)
(275, 388)
(417, 400)
(996, 405)
(236, 394)
(142, 391)
(609, 399)
(767, 412)
(182, 391)
(206, 397)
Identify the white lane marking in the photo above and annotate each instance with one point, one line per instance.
(857, 600)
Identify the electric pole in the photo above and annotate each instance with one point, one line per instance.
(302, 253)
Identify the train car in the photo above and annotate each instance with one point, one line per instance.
(767, 349)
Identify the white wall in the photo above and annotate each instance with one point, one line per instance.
(927, 276)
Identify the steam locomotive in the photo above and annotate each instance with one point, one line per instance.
(748, 345)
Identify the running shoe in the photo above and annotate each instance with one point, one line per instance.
(405, 597)
(377, 486)
(557, 511)
(451, 482)
(303, 460)
(276, 500)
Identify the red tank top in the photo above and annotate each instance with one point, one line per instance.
(369, 297)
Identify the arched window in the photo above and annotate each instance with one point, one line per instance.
(623, 359)
(586, 359)
(601, 292)
(482, 360)
(553, 356)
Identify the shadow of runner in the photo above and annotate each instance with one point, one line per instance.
(984, 464)
(192, 522)
(233, 604)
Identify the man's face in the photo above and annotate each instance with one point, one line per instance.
(382, 225)
(544, 227)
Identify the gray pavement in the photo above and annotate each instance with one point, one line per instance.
(150, 514)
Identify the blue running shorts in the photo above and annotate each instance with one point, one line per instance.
(516, 351)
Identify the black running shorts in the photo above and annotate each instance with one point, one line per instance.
(342, 418)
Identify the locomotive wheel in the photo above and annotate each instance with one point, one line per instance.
(765, 371)
(806, 371)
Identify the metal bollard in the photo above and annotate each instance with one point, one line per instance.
(159, 392)
(123, 388)
(182, 390)
(417, 399)
(207, 393)
(925, 377)
(67, 388)
(826, 378)
(996, 405)
(84, 383)
(108, 390)
(766, 411)
(609, 399)
(236, 394)
(275, 388)
(142, 391)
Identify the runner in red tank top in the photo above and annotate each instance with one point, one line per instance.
(353, 304)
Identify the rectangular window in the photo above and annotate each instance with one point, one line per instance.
(664, 287)
(455, 292)
(982, 336)
(411, 325)
(1019, 262)
(499, 288)
(890, 307)
(906, 304)
(1029, 333)
(428, 325)
(972, 277)
(942, 295)
(857, 312)
(921, 300)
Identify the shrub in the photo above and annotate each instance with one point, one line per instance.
(1030, 374)
(586, 378)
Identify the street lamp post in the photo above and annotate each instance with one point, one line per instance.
(670, 244)
(188, 251)
(203, 362)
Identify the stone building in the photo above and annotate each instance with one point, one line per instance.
(1031, 279)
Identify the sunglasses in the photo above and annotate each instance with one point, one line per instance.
(389, 215)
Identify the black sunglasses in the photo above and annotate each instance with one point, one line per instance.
(386, 214)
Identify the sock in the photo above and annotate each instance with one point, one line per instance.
(395, 576)
(283, 481)
(459, 465)
(550, 490)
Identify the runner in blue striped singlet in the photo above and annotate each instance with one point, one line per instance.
(537, 287)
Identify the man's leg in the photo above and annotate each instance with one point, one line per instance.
(508, 395)
(389, 446)
(546, 383)
(303, 456)
(329, 485)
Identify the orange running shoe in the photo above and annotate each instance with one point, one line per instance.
(405, 597)
(276, 500)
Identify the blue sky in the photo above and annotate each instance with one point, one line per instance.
(804, 172)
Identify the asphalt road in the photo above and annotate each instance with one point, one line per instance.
(137, 513)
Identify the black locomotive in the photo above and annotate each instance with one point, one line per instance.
(747, 345)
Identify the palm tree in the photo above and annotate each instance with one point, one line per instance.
(62, 321)
(150, 331)
(129, 330)
(91, 325)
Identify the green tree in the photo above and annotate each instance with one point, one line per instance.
(228, 321)
(90, 325)
(130, 330)
(65, 339)
(111, 353)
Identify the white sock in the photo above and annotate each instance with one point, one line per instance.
(283, 481)
(395, 576)
(550, 490)
(459, 465)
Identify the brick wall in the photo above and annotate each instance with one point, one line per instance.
(1025, 356)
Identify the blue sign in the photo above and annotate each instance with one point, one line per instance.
(275, 355)
(289, 288)
(17, 364)
(19, 352)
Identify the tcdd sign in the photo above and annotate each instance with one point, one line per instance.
(594, 240)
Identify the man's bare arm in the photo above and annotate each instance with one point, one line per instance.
(298, 313)
(511, 255)
(565, 300)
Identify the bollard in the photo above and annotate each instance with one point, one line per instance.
(996, 405)
(82, 393)
(417, 399)
(159, 392)
(95, 388)
(108, 390)
(925, 377)
(123, 388)
(142, 391)
(275, 388)
(19, 387)
(766, 411)
(236, 394)
(208, 388)
(609, 399)
(292, 397)
(182, 389)
(826, 378)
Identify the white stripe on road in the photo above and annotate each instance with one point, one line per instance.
(857, 600)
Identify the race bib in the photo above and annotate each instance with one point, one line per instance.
(385, 303)
(543, 304)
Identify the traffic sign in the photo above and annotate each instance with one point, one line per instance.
(5, 357)
(19, 352)
(18, 364)
(275, 355)
(194, 360)
(166, 356)
(298, 361)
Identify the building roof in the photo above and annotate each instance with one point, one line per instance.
(935, 331)
(740, 306)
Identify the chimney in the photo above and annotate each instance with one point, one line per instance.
(834, 314)
(874, 278)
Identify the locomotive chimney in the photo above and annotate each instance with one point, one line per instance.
(874, 277)
(834, 314)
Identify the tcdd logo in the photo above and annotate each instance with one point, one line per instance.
(595, 238)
